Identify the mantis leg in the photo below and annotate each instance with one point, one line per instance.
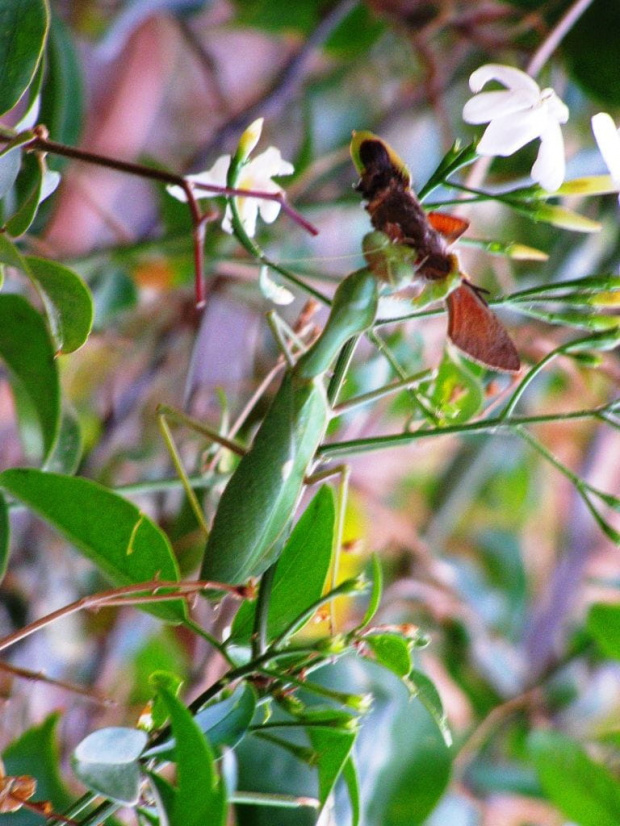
(166, 414)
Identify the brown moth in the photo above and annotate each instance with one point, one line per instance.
(394, 209)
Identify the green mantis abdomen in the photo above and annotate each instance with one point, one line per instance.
(260, 499)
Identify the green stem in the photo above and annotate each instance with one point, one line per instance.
(472, 428)
(381, 392)
(259, 636)
(418, 400)
(193, 626)
(257, 252)
(347, 587)
(526, 381)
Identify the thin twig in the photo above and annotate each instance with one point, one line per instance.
(40, 676)
(283, 88)
(555, 36)
(140, 593)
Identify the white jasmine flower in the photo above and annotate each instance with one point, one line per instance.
(255, 174)
(521, 113)
(608, 140)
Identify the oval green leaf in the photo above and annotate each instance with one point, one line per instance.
(301, 573)
(67, 452)
(10, 164)
(391, 651)
(112, 532)
(28, 196)
(62, 98)
(23, 30)
(107, 762)
(27, 351)
(68, 302)
(583, 790)
(223, 723)
(200, 795)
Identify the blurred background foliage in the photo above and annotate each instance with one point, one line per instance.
(485, 546)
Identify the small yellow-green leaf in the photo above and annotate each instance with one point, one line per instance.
(559, 216)
(592, 185)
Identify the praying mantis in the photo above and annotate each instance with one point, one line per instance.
(259, 502)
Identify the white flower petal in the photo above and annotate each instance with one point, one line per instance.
(269, 211)
(549, 168)
(608, 140)
(216, 176)
(177, 192)
(268, 164)
(248, 213)
(487, 106)
(505, 135)
(556, 108)
(512, 78)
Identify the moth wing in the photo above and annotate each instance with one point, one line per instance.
(477, 331)
(449, 226)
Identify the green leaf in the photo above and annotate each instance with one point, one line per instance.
(36, 753)
(418, 771)
(278, 15)
(354, 36)
(301, 573)
(107, 762)
(67, 452)
(4, 537)
(604, 624)
(9, 254)
(26, 348)
(223, 723)
(68, 302)
(200, 796)
(391, 651)
(62, 99)
(158, 713)
(121, 540)
(350, 777)
(592, 53)
(332, 747)
(23, 30)
(33, 170)
(375, 594)
(424, 689)
(583, 790)
(10, 164)
(457, 393)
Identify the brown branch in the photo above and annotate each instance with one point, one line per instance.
(41, 142)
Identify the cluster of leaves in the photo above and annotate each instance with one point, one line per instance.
(304, 700)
